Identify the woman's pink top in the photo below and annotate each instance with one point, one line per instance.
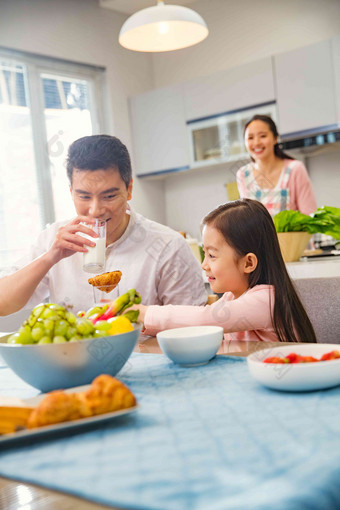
(293, 190)
(245, 318)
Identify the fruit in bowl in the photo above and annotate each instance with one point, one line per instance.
(296, 367)
(55, 349)
(53, 323)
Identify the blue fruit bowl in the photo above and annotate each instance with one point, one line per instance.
(49, 367)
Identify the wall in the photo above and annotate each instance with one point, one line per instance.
(242, 31)
(191, 195)
(324, 168)
(81, 31)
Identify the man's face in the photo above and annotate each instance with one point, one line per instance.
(102, 194)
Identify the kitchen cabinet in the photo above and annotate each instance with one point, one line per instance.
(220, 139)
(159, 119)
(159, 131)
(231, 89)
(200, 122)
(304, 88)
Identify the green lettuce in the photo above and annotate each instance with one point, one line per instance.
(325, 220)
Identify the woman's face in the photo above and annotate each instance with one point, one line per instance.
(259, 140)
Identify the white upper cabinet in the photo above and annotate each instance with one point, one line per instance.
(305, 88)
(336, 67)
(232, 89)
(219, 139)
(159, 130)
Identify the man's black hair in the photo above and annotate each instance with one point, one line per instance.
(99, 152)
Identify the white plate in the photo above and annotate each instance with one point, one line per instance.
(298, 376)
(52, 429)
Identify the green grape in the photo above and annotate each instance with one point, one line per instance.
(99, 333)
(45, 340)
(60, 327)
(71, 331)
(13, 339)
(75, 338)
(38, 331)
(37, 310)
(54, 306)
(84, 327)
(49, 314)
(30, 321)
(58, 339)
(49, 326)
(103, 325)
(50, 322)
(70, 317)
(25, 335)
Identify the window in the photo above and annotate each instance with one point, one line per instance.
(44, 106)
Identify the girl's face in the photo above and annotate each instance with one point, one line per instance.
(259, 140)
(225, 270)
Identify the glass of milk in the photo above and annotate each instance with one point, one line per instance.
(94, 258)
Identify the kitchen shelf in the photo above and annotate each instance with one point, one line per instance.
(219, 138)
(216, 140)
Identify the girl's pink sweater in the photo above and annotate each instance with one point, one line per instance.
(245, 318)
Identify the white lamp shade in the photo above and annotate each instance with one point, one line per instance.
(163, 28)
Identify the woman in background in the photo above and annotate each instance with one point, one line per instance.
(273, 178)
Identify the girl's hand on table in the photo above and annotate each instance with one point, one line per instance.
(142, 311)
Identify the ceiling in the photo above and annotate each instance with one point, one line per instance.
(131, 6)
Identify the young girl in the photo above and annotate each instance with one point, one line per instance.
(242, 260)
(274, 178)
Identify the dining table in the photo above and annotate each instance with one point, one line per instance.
(207, 437)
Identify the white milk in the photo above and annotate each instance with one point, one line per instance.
(94, 259)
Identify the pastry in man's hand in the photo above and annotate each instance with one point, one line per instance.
(106, 281)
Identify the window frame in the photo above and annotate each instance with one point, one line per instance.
(37, 65)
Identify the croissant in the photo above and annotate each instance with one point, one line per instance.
(57, 407)
(106, 281)
(106, 394)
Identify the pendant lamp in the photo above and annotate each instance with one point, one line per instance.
(163, 28)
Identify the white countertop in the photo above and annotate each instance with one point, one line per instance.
(322, 267)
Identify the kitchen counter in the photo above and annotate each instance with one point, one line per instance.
(318, 267)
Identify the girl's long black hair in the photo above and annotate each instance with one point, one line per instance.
(247, 226)
(272, 126)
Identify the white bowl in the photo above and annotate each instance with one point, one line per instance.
(298, 376)
(192, 345)
(55, 366)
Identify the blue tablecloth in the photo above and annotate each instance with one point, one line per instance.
(204, 438)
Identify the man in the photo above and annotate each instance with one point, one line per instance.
(153, 259)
